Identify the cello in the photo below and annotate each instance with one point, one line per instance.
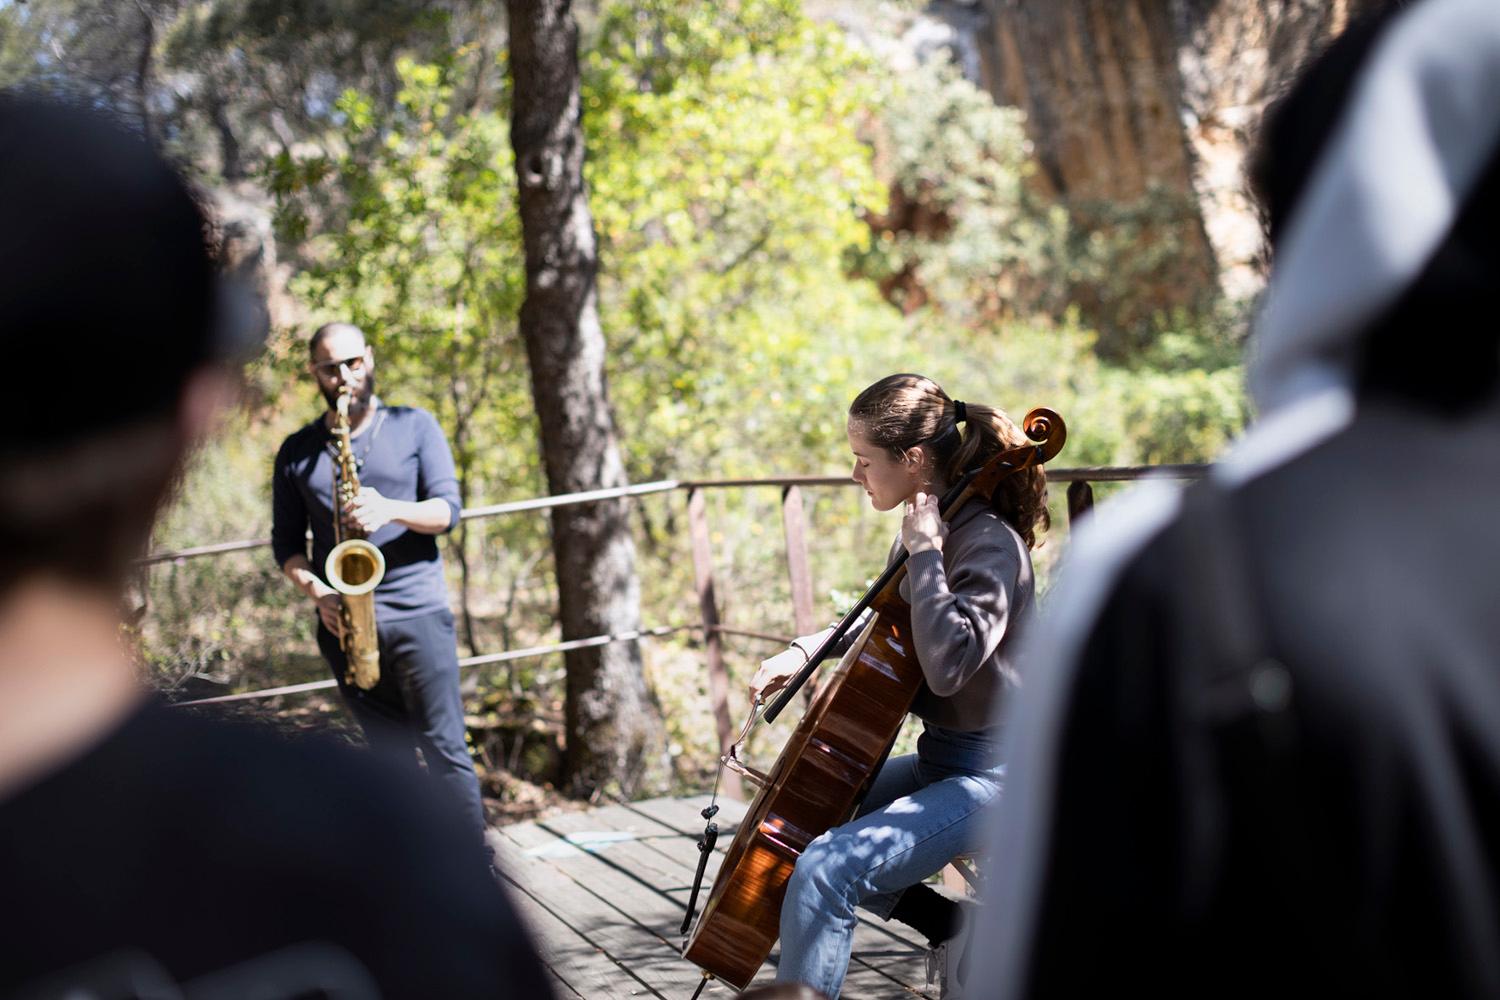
(838, 747)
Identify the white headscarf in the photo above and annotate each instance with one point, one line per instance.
(1423, 120)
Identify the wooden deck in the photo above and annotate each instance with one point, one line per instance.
(605, 891)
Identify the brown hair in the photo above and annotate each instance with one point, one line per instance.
(900, 412)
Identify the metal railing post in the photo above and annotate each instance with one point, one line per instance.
(1080, 500)
(718, 676)
(794, 526)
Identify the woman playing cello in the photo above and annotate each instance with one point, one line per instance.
(970, 587)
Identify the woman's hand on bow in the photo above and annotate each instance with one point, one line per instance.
(775, 673)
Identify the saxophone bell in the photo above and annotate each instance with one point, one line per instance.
(355, 568)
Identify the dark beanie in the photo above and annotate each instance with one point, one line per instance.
(107, 288)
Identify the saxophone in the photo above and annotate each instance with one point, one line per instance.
(355, 567)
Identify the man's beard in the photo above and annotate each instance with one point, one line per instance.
(361, 400)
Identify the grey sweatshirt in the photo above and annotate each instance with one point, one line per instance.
(970, 606)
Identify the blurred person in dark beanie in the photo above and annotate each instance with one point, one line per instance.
(1258, 753)
(145, 851)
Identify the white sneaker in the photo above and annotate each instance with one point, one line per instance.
(948, 964)
(937, 963)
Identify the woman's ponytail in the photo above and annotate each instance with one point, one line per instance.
(901, 412)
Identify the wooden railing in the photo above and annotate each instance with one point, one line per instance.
(794, 530)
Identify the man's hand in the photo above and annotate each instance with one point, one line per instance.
(923, 527)
(369, 511)
(324, 597)
(329, 606)
(775, 673)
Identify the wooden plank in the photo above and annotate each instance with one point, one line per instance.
(685, 814)
(673, 856)
(620, 911)
(676, 829)
(570, 954)
(667, 857)
(645, 873)
(665, 871)
(867, 981)
(678, 813)
(873, 977)
(887, 958)
(630, 949)
(560, 987)
(626, 959)
(583, 969)
(613, 868)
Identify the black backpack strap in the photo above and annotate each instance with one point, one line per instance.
(1239, 733)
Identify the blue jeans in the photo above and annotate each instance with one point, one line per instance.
(918, 816)
(415, 704)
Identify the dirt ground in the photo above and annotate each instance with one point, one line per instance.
(510, 796)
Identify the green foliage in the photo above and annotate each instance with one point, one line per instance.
(1119, 260)
(86, 48)
(963, 234)
(428, 263)
(968, 233)
(228, 83)
(1184, 399)
(738, 156)
(21, 31)
(727, 181)
(252, 79)
(232, 620)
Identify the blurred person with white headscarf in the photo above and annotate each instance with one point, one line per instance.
(1258, 750)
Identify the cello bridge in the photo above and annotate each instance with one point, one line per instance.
(757, 778)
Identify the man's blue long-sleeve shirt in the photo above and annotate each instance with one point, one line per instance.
(404, 456)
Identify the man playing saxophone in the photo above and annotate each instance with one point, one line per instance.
(406, 495)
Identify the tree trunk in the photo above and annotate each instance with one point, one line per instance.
(143, 70)
(614, 726)
(231, 163)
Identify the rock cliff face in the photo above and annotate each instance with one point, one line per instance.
(1234, 57)
(1098, 80)
(1127, 99)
